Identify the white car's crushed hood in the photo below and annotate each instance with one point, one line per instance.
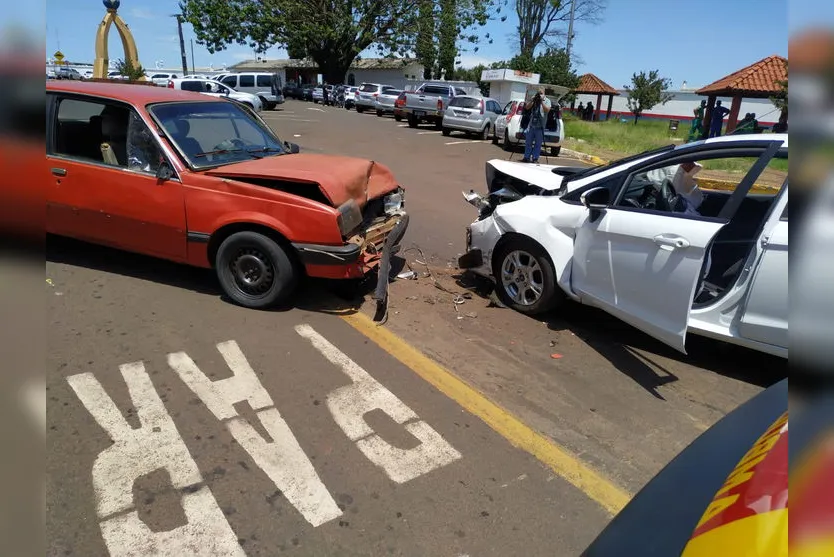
(538, 174)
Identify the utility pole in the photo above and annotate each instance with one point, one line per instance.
(182, 44)
(570, 29)
(193, 67)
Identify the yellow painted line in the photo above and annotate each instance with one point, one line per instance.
(611, 497)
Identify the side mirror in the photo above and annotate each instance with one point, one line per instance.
(293, 148)
(164, 172)
(596, 200)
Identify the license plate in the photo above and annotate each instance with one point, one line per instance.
(462, 114)
(419, 112)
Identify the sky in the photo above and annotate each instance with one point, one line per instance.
(693, 41)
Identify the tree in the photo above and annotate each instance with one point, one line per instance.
(425, 48)
(447, 35)
(780, 99)
(542, 21)
(330, 32)
(127, 69)
(555, 68)
(646, 92)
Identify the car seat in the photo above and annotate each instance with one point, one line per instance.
(114, 138)
(188, 144)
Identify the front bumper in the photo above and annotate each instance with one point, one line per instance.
(360, 254)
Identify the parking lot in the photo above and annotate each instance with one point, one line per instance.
(455, 429)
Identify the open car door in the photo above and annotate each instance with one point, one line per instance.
(643, 266)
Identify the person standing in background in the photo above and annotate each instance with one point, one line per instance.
(580, 111)
(695, 129)
(717, 119)
(538, 106)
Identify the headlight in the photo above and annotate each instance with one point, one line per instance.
(394, 202)
(350, 217)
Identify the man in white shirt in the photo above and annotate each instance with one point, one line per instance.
(685, 185)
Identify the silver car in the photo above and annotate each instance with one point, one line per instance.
(385, 101)
(367, 94)
(471, 114)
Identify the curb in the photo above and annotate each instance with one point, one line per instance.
(704, 183)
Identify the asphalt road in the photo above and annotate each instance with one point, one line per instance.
(179, 424)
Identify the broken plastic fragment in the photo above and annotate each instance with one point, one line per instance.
(408, 275)
(555, 356)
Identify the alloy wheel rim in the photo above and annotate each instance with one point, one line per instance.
(522, 278)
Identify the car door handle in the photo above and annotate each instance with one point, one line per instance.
(671, 241)
(59, 171)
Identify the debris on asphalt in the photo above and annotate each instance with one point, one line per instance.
(411, 297)
(467, 295)
(407, 275)
(555, 356)
(296, 135)
(472, 315)
(49, 282)
(552, 343)
(459, 300)
(420, 262)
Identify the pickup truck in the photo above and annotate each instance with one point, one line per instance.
(428, 103)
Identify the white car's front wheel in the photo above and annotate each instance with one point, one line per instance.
(524, 277)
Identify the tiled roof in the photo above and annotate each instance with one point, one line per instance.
(591, 84)
(812, 50)
(759, 79)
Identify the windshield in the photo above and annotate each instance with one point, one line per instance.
(465, 102)
(597, 169)
(210, 134)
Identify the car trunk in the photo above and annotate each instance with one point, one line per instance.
(466, 109)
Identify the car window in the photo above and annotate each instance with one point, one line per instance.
(507, 108)
(107, 133)
(435, 90)
(192, 86)
(368, 88)
(230, 80)
(215, 133)
(700, 186)
(264, 81)
(465, 102)
(460, 92)
(247, 81)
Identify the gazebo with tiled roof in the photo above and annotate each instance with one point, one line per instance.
(589, 84)
(756, 81)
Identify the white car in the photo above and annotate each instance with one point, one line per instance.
(216, 89)
(711, 259)
(508, 131)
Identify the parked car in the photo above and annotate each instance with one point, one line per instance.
(293, 90)
(385, 101)
(161, 79)
(428, 103)
(216, 89)
(639, 239)
(508, 130)
(471, 114)
(307, 91)
(350, 97)
(64, 72)
(399, 104)
(318, 93)
(726, 493)
(365, 98)
(265, 85)
(206, 182)
(117, 75)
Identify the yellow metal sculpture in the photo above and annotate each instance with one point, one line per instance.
(102, 62)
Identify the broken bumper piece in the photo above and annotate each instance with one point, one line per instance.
(389, 248)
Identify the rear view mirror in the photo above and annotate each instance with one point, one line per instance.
(596, 198)
(164, 172)
(292, 148)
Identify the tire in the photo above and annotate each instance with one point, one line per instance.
(446, 131)
(521, 254)
(360, 109)
(264, 103)
(412, 121)
(507, 145)
(258, 253)
(398, 118)
(379, 113)
(494, 137)
(554, 151)
(485, 132)
(438, 124)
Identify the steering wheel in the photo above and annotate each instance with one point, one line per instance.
(667, 196)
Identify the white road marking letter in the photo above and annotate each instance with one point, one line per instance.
(282, 460)
(155, 445)
(350, 403)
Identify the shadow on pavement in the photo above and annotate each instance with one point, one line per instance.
(626, 347)
(319, 295)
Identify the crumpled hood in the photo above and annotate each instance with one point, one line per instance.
(340, 179)
(538, 174)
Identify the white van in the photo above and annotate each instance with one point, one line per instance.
(265, 85)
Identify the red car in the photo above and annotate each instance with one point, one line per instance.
(205, 181)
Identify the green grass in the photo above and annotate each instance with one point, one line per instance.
(613, 138)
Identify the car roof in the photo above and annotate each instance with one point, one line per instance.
(126, 92)
(736, 138)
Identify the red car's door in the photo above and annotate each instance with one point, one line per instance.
(111, 204)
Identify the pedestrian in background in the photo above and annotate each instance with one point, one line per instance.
(580, 111)
(717, 119)
(538, 107)
(324, 94)
(697, 122)
(589, 112)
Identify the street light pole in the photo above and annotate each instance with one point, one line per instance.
(193, 67)
(570, 29)
(182, 44)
